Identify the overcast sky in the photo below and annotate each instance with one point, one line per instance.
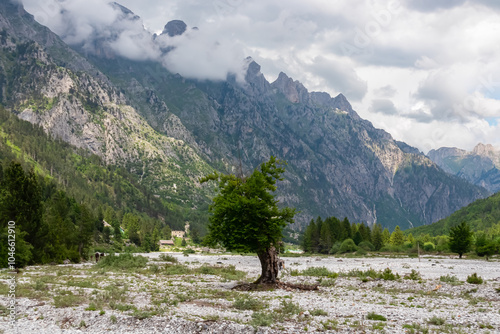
(428, 71)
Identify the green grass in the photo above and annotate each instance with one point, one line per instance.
(125, 262)
(248, 303)
(474, 279)
(315, 271)
(374, 316)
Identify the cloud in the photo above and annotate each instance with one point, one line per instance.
(102, 27)
(383, 106)
(340, 76)
(386, 91)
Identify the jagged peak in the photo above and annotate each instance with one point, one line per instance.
(484, 149)
(125, 11)
(174, 28)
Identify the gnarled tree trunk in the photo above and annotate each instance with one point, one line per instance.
(269, 263)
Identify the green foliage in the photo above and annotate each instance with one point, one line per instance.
(397, 237)
(245, 215)
(436, 321)
(429, 247)
(485, 246)
(248, 303)
(474, 279)
(348, 246)
(449, 279)
(262, 319)
(316, 271)
(460, 239)
(124, 261)
(375, 316)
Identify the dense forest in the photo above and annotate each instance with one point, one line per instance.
(333, 236)
(59, 196)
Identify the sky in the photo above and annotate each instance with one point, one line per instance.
(427, 72)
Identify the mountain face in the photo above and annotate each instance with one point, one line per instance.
(169, 130)
(481, 166)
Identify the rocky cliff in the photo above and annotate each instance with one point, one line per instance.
(481, 166)
(170, 130)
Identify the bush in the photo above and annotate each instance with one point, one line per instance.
(247, 303)
(318, 272)
(449, 279)
(168, 258)
(436, 321)
(261, 319)
(474, 279)
(335, 248)
(367, 246)
(388, 275)
(374, 316)
(414, 275)
(122, 261)
(429, 247)
(348, 246)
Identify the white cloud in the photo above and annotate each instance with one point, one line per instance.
(425, 71)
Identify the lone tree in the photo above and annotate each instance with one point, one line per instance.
(245, 215)
(460, 239)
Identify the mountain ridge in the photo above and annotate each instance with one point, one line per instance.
(338, 163)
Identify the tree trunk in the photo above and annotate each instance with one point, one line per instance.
(269, 263)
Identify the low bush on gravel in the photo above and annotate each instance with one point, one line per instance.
(449, 279)
(414, 275)
(124, 261)
(318, 312)
(474, 279)
(315, 271)
(261, 319)
(375, 316)
(168, 258)
(436, 321)
(287, 310)
(68, 300)
(229, 272)
(248, 303)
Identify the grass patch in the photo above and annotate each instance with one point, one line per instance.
(315, 271)
(261, 319)
(247, 303)
(474, 279)
(124, 262)
(168, 258)
(436, 321)
(68, 300)
(318, 312)
(375, 316)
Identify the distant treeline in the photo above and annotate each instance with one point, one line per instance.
(331, 236)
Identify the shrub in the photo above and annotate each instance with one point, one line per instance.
(261, 319)
(335, 248)
(388, 275)
(367, 246)
(374, 316)
(429, 247)
(247, 303)
(318, 312)
(123, 261)
(348, 246)
(449, 279)
(318, 272)
(436, 321)
(168, 258)
(414, 275)
(474, 279)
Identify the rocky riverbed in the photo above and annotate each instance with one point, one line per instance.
(193, 294)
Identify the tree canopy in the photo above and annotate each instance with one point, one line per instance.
(460, 239)
(245, 214)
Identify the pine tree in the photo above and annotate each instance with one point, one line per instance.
(397, 237)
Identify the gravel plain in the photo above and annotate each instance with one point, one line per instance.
(78, 298)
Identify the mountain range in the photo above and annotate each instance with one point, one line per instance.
(481, 166)
(167, 130)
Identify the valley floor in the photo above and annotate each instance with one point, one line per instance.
(194, 295)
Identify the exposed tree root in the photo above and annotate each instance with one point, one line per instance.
(272, 286)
